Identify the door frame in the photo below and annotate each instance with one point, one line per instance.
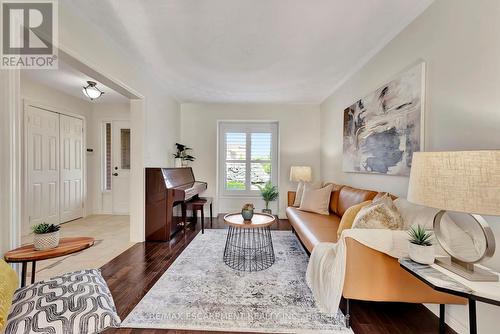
(10, 160)
(25, 184)
(103, 121)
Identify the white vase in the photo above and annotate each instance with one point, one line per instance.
(178, 163)
(46, 241)
(421, 254)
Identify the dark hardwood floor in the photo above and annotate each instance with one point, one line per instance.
(135, 271)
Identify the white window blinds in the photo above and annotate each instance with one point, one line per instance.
(247, 156)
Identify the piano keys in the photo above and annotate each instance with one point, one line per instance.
(167, 188)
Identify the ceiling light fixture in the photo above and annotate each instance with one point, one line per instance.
(91, 90)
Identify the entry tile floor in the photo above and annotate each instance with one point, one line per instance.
(111, 233)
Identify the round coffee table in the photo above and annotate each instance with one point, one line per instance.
(249, 246)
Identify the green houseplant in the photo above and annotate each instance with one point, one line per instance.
(46, 236)
(269, 193)
(420, 247)
(182, 156)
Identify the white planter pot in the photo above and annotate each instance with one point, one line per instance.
(46, 241)
(421, 254)
(178, 163)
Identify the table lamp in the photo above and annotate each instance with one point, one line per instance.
(300, 174)
(463, 185)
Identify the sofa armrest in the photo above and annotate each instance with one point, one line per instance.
(291, 197)
(375, 276)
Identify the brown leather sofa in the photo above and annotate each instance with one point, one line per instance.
(370, 275)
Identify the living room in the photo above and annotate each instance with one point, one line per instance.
(299, 80)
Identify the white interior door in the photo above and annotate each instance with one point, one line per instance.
(121, 166)
(71, 150)
(42, 165)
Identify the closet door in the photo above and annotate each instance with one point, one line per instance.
(42, 165)
(71, 150)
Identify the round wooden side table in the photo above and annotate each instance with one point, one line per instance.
(249, 245)
(28, 253)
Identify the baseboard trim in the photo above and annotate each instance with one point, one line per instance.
(451, 321)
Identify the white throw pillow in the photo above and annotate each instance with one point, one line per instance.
(414, 214)
(300, 190)
(381, 214)
(316, 200)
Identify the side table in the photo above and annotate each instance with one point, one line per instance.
(445, 281)
(28, 253)
(249, 244)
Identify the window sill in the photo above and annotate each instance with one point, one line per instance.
(240, 196)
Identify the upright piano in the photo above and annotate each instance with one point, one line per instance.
(165, 189)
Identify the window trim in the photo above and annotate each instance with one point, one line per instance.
(246, 127)
(104, 160)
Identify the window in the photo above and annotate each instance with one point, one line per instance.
(247, 157)
(107, 156)
(125, 148)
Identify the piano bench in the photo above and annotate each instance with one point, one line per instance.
(198, 204)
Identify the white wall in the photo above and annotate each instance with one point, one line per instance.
(161, 129)
(155, 125)
(100, 202)
(459, 41)
(299, 141)
(37, 92)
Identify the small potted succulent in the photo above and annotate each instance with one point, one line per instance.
(420, 247)
(269, 193)
(46, 236)
(247, 211)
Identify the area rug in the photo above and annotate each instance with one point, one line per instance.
(200, 292)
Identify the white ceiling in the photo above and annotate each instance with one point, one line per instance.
(70, 81)
(265, 51)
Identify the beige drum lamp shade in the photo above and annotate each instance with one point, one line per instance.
(463, 181)
(300, 173)
(463, 185)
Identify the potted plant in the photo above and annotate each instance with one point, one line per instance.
(46, 236)
(247, 211)
(420, 247)
(181, 156)
(269, 193)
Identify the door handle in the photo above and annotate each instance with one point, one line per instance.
(115, 174)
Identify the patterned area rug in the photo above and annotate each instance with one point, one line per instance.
(199, 291)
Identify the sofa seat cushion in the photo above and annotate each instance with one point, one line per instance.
(78, 302)
(313, 228)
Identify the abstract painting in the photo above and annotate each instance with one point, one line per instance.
(383, 129)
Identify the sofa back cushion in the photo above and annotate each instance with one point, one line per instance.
(349, 196)
(334, 199)
(8, 285)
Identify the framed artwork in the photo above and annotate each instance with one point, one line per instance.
(383, 129)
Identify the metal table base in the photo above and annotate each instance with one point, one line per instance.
(249, 249)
